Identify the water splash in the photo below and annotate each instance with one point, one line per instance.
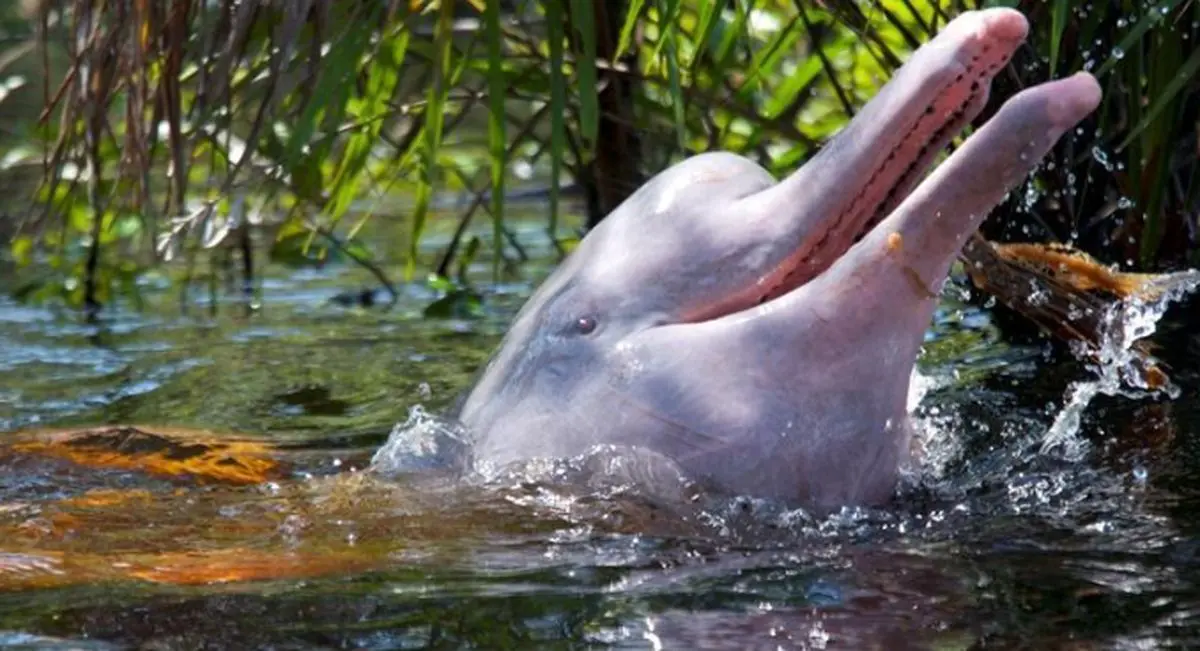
(1118, 368)
(422, 442)
(938, 443)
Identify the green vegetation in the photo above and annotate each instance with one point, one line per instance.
(220, 134)
(1126, 188)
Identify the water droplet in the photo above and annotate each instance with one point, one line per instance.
(1140, 474)
(1038, 298)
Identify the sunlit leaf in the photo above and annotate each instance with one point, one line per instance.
(632, 14)
(668, 30)
(434, 120)
(382, 77)
(22, 250)
(1058, 23)
(497, 140)
(585, 66)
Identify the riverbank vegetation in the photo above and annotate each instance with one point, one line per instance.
(215, 136)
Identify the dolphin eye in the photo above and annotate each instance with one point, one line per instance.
(585, 325)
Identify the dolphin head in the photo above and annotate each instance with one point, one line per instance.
(761, 335)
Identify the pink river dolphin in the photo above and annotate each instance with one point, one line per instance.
(761, 335)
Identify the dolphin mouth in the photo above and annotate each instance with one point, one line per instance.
(941, 94)
(892, 181)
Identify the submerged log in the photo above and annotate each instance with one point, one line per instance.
(1069, 295)
(168, 452)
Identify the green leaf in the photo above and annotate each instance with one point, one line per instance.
(1181, 79)
(796, 82)
(307, 180)
(709, 15)
(338, 69)
(765, 59)
(731, 35)
(585, 64)
(667, 27)
(440, 283)
(434, 122)
(22, 250)
(295, 250)
(466, 258)
(1058, 22)
(667, 37)
(457, 304)
(497, 140)
(127, 226)
(33, 291)
(382, 77)
(631, 19)
(1131, 39)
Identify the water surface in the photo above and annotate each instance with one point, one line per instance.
(992, 544)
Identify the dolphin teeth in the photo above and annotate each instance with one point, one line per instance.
(801, 271)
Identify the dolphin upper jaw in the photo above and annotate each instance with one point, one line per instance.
(877, 159)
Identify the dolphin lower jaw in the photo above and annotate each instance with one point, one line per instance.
(798, 425)
(840, 349)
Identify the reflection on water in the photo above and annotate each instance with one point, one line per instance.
(992, 544)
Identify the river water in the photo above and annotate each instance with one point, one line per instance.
(994, 542)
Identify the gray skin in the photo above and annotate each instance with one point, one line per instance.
(732, 324)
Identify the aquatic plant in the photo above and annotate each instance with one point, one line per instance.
(214, 134)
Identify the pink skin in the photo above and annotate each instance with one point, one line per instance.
(730, 324)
